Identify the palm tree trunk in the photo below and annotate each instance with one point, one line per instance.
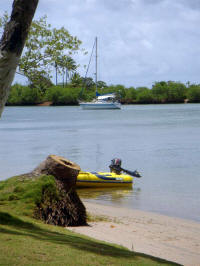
(12, 44)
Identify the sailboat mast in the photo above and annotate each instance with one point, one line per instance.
(96, 64)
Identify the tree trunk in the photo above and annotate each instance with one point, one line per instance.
(12, 44)
(67, 209)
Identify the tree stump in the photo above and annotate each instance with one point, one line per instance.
(68, 210)
(63, 170)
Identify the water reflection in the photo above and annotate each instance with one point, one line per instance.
(113, 195)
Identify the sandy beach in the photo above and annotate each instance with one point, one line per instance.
(161, 236)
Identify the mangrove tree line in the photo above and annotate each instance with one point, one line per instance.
(160, 93)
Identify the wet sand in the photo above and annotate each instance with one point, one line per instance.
(161, 236)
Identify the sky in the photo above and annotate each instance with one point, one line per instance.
(139, 41)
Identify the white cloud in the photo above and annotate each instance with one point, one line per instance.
(140, 41)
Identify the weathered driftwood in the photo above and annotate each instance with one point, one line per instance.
(67, 210)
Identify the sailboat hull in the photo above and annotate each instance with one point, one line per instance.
(100, 106)
(107, 101)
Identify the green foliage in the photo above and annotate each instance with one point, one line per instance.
(78, 81)
(46, 48)
(193, 93)
(176, 92)
(23, 95)
(63, 96)
(120, 91)
(144, 95)
(38, 79)
(130, 95)
(15, 95)
(88, 83)
(161, 92)
(31, 96)
(101, 84)
(169, 92)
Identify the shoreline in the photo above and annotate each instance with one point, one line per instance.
(166, 237)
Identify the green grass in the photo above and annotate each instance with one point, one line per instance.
(27, 241)
(22, 193)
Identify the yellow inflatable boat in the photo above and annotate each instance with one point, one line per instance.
(114, 178)
(101, 179)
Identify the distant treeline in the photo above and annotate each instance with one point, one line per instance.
(161, 92)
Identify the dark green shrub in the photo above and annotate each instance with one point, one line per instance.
(144, 95)
(13, 197)
(23, 95)
(193, 93)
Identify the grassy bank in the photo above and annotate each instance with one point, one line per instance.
(27, 241)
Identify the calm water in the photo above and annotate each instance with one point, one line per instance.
(160, 141)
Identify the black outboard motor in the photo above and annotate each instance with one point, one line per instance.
(115, 166)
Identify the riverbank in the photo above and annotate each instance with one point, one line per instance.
(25, 239)
(161, 92)
(161, 236)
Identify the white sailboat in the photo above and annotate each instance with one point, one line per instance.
(104, 101)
